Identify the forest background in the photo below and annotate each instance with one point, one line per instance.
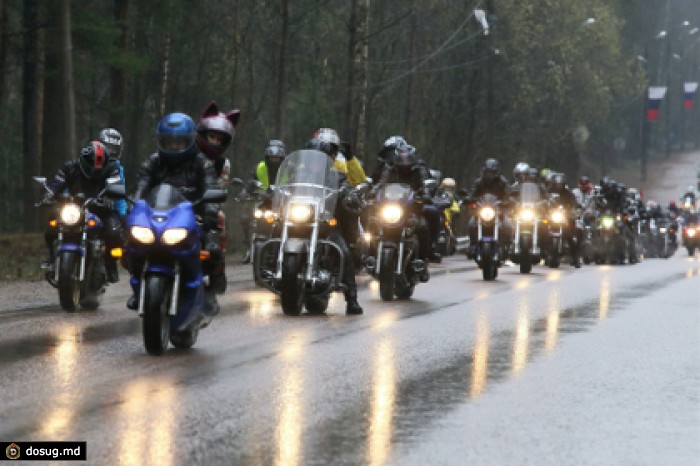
(556, 83)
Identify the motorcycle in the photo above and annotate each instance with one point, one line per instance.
(691, 236)
(165, 235)
(488, 247)
(79, 272)
(261, 222)
(611, 244)
(528, 217)
(446, 244)
(587, 222)
(394, 258)
(557, 222)
(660, 239)
(308, 266)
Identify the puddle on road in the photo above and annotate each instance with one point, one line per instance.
(400, 412)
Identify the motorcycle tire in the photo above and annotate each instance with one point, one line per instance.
(156, 320)
(292, 285)
(316, 304)
(387, 275)
(691, 251)
(489, 270)
(68, 284)
(93, 286)
(185, 339)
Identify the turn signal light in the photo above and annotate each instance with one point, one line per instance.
(91, 222)
(116, 253)
(204, 255)
(332, 222)
(53, 223)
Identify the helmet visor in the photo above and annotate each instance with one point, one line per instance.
(174, 143)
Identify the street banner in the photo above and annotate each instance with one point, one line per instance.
(655, 96)
(689, 89)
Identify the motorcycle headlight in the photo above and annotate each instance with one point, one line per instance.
(691, 232)
(258, 213)
(527, 215)
(70, 214)
(558, 216)
(367, 237)
(172, 236)
(662, 230)
(142, 235)
(487, 213)
(608, 222)
(300, 213)
(392, 213)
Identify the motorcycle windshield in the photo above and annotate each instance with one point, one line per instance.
(394, 192)
(488, 199)
(307, 177)
(164, 197)
(529, 193)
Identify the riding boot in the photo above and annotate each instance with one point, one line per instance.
(112, 270)
(211, 305)
(352, 306)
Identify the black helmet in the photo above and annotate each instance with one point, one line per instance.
(112, 139)
(490, 169)
(405, 156)
(322, 145)
(94, 160)
(558, 181)
(275, 152)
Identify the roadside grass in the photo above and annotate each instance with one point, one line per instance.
(22, 256)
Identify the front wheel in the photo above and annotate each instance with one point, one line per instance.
(691, 250)
(185, 339)
(489, 270)
(68, 284)
(292, 285)
(316, 304)
(387, 275)
(156, 320)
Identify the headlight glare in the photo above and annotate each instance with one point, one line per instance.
(558, 216)
(172, 236)
(142, 235)
(527, 215)
(300, 213)
(487, 213)
(70, 214)
(392, 213)
(608, 222)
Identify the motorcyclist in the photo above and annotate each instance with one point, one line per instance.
(448, 186)
(113, 141)
(567, 199)
(266, 171)
(347, 221)
(88, 174)
(179, 162)
(215, 131)
(521, 172)
(386, 155)
(490, 182)
(408, 169)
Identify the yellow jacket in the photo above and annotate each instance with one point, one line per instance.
(352, 168)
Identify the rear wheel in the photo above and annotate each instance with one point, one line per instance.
(156, 320)
(68, 284)
(387, 275)
(292, 285)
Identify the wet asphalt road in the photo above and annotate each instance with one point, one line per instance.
(599, 365)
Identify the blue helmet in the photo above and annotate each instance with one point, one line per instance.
(176, 138)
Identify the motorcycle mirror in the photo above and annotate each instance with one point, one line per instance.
(115, 191)
(430, 183)
(363, 188)
(40, 179)
(214, 195)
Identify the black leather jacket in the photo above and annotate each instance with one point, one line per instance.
(70, 177)
(195, 175)
(497, 186)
